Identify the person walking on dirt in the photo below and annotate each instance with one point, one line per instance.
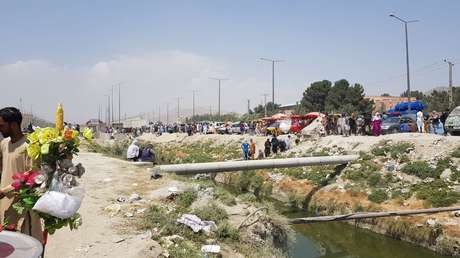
(275, 144)
(420, 122)
(252, 149)
(245, 148)
(268, 146)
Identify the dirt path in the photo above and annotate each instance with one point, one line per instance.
(101, 235)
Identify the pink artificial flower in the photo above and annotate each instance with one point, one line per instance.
(16, 185)
(21, 177)
(30, 179)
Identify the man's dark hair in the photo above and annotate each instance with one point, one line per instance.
(11, 115)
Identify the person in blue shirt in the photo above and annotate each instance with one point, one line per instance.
(245, 148)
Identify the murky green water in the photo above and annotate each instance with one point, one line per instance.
(340, 240)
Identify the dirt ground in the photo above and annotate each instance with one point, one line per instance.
(102, 235)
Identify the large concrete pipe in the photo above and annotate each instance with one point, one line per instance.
(225, 166)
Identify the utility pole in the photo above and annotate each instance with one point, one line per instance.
(119, 103)
(167, 113)
(273, 61)
(159, 113)
(178, 109)
(451, 89)
(98, 113)
(108, 110)
(407, 54)
(265, 103)
(193, 104)
(113, 111)
(249, 106)
(218, 98)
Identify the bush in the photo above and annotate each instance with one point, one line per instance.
(247, 197)
(378, 196)
(184, 250)
(398, 194)
(374, 179)
(456, 153)
(211, 212)
(421, 169)
(293, 203)
(186, 199)
(226, 231)
(395, 150)
(400, 148)
(437, 194)
(224, 196)
(365, 156)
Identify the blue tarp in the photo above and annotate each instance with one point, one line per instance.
(414, 106)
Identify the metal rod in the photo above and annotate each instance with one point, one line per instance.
(368, 215)
(225, 166)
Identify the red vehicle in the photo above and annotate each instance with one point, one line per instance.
(298, 122)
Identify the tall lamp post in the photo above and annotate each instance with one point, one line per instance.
(451, 90)
(407, 53)
(218, 97)
(273, 61)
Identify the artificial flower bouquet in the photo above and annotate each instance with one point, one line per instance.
(51, 188)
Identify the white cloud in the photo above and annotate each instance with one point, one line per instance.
(147, 81)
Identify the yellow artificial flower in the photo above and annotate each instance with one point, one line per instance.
(47, 135)
(75, 134)
(33, 150)
(45, 149)
(88, 134)
(33, 137)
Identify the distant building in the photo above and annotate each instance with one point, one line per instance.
(288, 109)
(96, 125)
(134, 122)
(383, 103)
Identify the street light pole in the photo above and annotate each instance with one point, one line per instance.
(167, 113)
(178, 109)
(407, 54)
(119, 103)
(218, 98)
(273, 61)
(265, 104)
(193, 104)
(451, 89)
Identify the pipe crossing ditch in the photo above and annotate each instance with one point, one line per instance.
(242, 165)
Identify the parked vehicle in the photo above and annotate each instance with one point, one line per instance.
(391, 125)
(298, 122)
(236, 128)
(399, 124)
(274, 128)
(452, 124)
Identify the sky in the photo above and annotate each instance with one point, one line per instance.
(73, 52)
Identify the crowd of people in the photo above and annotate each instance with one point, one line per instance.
(272, 145)
(352, 124)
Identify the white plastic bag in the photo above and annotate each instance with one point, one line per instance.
(60, 205)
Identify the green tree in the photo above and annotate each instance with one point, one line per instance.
(314, 97)
(345, 98)
(272, 108)
(415, 94)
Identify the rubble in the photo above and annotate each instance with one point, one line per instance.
(196, 224)
(215, 249)
(446, 174)
(113, 209)
(134, 197)
(201, 176)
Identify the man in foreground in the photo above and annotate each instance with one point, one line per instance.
(14, 159)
